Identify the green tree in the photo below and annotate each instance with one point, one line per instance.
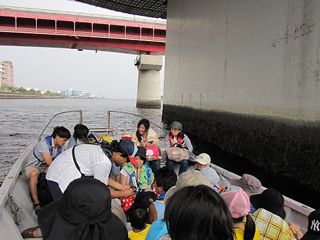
(31, 92)
(13, 90)
(21, 89)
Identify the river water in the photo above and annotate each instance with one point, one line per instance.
(22, 120)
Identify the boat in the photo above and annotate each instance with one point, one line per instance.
(16, 208)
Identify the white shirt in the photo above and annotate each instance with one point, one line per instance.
(91, 160)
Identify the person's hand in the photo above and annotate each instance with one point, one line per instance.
(128, 193)
(295, 229)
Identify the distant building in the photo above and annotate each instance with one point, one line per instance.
(75, 93)
(6, 74)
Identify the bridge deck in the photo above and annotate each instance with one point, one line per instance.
(37, 28)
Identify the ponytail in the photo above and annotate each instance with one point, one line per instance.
(250, 228)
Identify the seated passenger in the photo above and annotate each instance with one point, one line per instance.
(43, 155)
(138, 218)
(238, 204)
(197, 212)
(250, 184)
(270, 215)
(177, 138)
(313, 232)
(271, 200)
(158, 228)
(75, 217)
(92, 161)
(145, 136)
(203, 165)
(164, 179)
(80, 135)
(138, 175)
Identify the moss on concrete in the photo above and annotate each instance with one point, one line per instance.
(288, 148)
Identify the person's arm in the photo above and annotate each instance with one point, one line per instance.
(124, 193)
(166, 142)
(187, 143)
(153, 215)
(115, 184)
(47, 158)
(123, 179)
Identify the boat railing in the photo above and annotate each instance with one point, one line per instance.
(128, 113)
(71, 111)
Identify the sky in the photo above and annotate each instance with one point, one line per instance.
(112, 75)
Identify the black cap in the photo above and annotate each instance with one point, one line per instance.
(142, 153)
(313, 232)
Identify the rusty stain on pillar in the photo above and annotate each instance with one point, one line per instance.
(148, 95)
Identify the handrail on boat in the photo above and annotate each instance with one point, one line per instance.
(80, 120)
(133, 114)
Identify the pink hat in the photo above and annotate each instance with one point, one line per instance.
(236, 200)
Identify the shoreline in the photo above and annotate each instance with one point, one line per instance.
(25, 96)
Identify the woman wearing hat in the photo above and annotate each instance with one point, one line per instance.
(139, 175)
(177, 138)
(83, 212)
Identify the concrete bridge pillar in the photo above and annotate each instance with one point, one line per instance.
(148, 95)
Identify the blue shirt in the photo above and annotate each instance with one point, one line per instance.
(157, 230)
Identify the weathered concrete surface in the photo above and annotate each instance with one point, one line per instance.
(289, 148)
(245, 75)
(148, 93)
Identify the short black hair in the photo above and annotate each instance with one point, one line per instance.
(115, 145)
(81, 131)
(61, 132)
(138, 217)
(198, 212)
(166, 178)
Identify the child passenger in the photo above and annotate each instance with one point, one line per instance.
(238, 204)
(138, 218)
(165, 178)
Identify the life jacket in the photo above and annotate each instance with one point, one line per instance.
(146, 176)
(48, 140)
(179, 140)
(49, 143)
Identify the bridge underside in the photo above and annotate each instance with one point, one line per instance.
(81, 43)
(148, 8)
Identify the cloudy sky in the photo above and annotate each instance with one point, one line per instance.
(110, 74)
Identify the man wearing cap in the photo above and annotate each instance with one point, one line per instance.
(203, 166)
(90, 160)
